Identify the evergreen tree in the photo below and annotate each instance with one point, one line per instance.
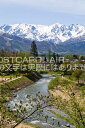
(49, 54)
(34, 50)
(54, 56)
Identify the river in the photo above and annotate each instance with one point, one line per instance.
(42, 87)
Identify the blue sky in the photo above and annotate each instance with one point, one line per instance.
(45, 12)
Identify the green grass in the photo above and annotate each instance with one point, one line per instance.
(53, 83)
(59, 81)
(65, 117)
(69, 107)
(8, 88)
(34, 126)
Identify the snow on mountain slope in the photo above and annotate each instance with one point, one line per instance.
(54, 33)
(1, 31)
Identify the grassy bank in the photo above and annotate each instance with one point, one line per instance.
(8, 117)
(59, 80)
(9, 88)
(69, 97)
(28, 125)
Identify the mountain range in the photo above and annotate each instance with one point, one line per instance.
(57, 38)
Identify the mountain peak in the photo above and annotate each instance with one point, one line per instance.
(56, 32)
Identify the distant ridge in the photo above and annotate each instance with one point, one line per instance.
(57, 37)
(55, 33)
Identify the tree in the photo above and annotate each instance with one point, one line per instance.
(73, 109)
(40, 102)
(33, 49)
(77, 74)
(54, 56)
(82, 57)
(49, 54)
(71, 56)
(37, 105)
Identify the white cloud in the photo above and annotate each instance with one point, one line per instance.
(68, 6)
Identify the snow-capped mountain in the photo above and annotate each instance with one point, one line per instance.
(55, 33)
(16, 43)
(57, 37)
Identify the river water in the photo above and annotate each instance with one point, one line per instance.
(42, 87)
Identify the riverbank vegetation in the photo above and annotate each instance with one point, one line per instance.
(68, 94)
(66, 82)
(28, 125)
(8, 89)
